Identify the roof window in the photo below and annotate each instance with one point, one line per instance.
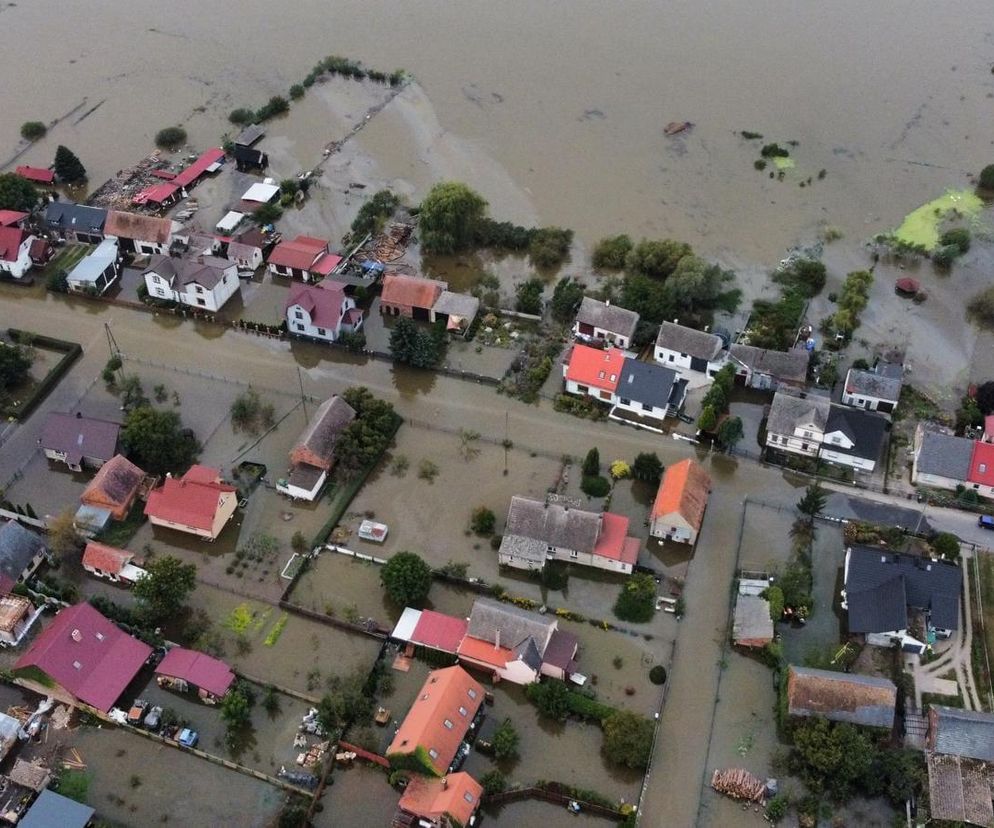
(448, 724)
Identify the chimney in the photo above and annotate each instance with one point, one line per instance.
(445, 782)
(77, 636)
(497, 639)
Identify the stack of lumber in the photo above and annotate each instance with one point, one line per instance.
(738, 784)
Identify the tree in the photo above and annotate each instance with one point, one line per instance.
(813, 501)
(63, 540)
(16, 193)
(505, 740)
(627, 739)
(594, 485)
(774, 595)
(637, 599)
(958, 237)
(374, 213)
(986, 179)
(985, 397)
(947, 545)
(831, 758)
(345, 702)
(236, 712)
(15, 365)
(364, 439)
(493, 782)
(449, 217)
(806, 276)
(620, 470)
(549, 246)
(407, 579)
(422, 349)
(33, 130)
(566, 298)
(529, 297)
(403, 339)
(166, 586)
(897, 774)
(729, 433)
(656, 259)
(483, 521)
(707, 419)
(647, 467)
(611, 252)
(551, 698)
(170, 138)
(157, 442)
(592, 463)
(696, 284)
(241, 116)
(68, 167)
(267, 214)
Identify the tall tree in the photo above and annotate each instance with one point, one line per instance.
(566, 298)
(15, 364)
(592, 463)
(63, 539)
(813, 501)
(157, 441)
(730, 432)
(407, 579)
(656, 259)
(449, 217)
(16, 193)
(68, 167)
(403, 340)
(647, 467)
(627, 739)
(164, 589)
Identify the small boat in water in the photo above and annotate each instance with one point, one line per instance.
(676, 127)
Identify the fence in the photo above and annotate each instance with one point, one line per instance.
(519, 794)
(71, 350)
(365, 754)
(371, 628)
(359, 556)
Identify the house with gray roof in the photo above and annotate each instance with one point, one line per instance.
(769, 370)
(78, 441)
(941, 460)
(650, 390)
(884, 588)
(21, 553)
(205, 282)
(51, 809)
(75, 222)
(959, 732)
(841, 697)
(873, 390)
(598, 321)
(314, 455)
(797, 422)
(688, 350)
(853, 438)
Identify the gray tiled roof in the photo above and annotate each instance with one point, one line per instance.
(490, 620)
(332, 416)
(841, 697)
(962, 733)
(608, 317)
(646, 382)
(688, 341)
(872, 384)
(785, 365)
(78, 218)
(18, 546)
(205, 271)
(944, 455)
(789, 410)
(553, 524)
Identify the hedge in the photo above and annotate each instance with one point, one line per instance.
(72, 351)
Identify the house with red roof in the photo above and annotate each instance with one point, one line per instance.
(116, 565)
(449, 802)
(303, 257)
(183, 669)
(15, 251)
(313, 457)
(82, 659)
(13, 218)
(410, 296)
(321, 311)
(593, 372)
(115, 487)
(36, 175)
(678, 511)
(161, 195)
(197, 503)
(444, 711)
(981, 475)
(208, 162)
(434, 630)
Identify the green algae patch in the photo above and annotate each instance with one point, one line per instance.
(783, 163)
(920, 228)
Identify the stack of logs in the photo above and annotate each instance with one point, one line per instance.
(738, 784)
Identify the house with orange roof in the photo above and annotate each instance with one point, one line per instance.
(410, 296)
(116, 565)
(197, 503)
(678, 511)
(449, 802)
(115, 487)
(593, 371)
(432, 733)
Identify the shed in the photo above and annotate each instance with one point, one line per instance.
(211, 676)
(230, 221)
(841, 697)
(248, 136)
(753, 626)
(52, 809)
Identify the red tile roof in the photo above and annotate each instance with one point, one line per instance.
(107, 559)
(323, 302)
(299, 253)
(190, 501)
(327, 263)
(156, 194)
(440, 631)
(39, 175)
(199, 669)
(483, 652)
(199, 167)
(8, 218)
(11, 239)
(440, 716)
(612, 541)
(684, 489)
(88, 655)
(595, 367)
(458, 795)
(410, 291)
(982, 464)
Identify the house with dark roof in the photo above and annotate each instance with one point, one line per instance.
(248, 159)
(876, 389)
(314, 455)
(205, 282)
(941, 460)
(959, 749)
(21, 553)
(853, 438)
(51, 809)
(678, 510)
(433, 730)
(183, 669)
(537, 531)
(883, 589)
(140, 234)
(410, 296)
(688, 350)
(322, 311)
(449, 802)
(78, 441)
(95, 273)
(769, 370)
(15, 251)
(82, 659)
(75, 222)
(841, 697)
(197, 503)
(118, 566)
(115, 487)
(605, 323)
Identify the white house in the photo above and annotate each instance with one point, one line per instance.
(688, 350)
(797, 423)
(98, 271)
(15, 251)
(678, 510)
(604, 322)
(140, 234)
(875, 390)
(205, 282)
(246, 256)
(321, 311)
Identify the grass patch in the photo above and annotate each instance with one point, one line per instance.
(276, 631)
(240, 619)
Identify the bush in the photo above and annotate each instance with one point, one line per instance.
(637, 599)
(657, 675)
(595, 486)
(981, 308)
(296, 92)
(551, 698)
(611, 252)
(505, 740)
(33, 130)
(549, 246)
(628, 739)
(592, 463)
(986, 179)
(68, 167)
(958, 237)
(449, 216)
(374, 213)
(483, 521)
(407, 579)
(946, 545)
(493, 782)
(774, 151)
(170, 138)
(241, 116)
(529, 297)
(647, 467)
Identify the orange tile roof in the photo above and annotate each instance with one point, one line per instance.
(440, 716)
(595, 367)
(483, 652)
(458, 795)
(611, 541)
(108, 559)
(410, 291)
(190, 501)
(114, 486)
(684, 489)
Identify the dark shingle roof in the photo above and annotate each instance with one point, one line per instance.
(646, 382)
(608, 317)
(944, 455)
(688, 341)
(866, 429)
(786, 365)
(962, 733)
(205, 271)
(553, 524)
(18, 546)
(790, 410)
(875, 577)
(841, 697)
(64, 215)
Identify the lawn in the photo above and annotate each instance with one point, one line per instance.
(983, 635)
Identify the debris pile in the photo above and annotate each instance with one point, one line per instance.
(391, 245)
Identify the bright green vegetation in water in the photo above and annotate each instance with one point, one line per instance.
(783, 163)
(921, 227)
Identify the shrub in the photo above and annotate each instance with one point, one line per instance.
(241, 116)
(986, 179)
(958, 237)
(549, 246)
(657, 675)
(620, 470)
(592, 463)
(529, 297)
(407, 579)
(946, 545)
(374, 213)
(551, 698)
(595, 486)
(33, 130)
(483, 521)
(774, 151)
(296, 92)
(493, 782)
(637, 599)
(628, 739)
(647, 467)
(170, 137)
(611, 252)
(505, 740)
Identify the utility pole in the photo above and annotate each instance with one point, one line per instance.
(507, 440)
(303, 400)
(115, 350)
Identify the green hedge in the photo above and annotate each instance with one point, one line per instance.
(72, 351)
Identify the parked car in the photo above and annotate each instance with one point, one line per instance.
(188, 738)
(137, 712)
(153, 719)
(986, 522)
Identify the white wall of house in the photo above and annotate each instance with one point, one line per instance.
(590, 559)
(681, 363)
(225, 509)
(641, 408)
(673, 527)
(934, 480)
(593, 332)
(60, 457)
(604, 396)
(248, 262)
(298, 321)
(100, 284)
(19, 266)
(518, 672)
(517, 562)
(298, 493)
(858, 463)
(866, 402)
(805, 446)
(211, 299)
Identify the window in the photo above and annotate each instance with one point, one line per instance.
(601, 375)
(572, 553)
(463, 711)
(646, 407)
(322, 332)
(471, 693)
(299, 326)
(806, 433)
(201, 301)
(433, 753)
(298, 314)
(804, 446)
(468, 797)
(448, 724)
(582, 389)
(671, 358)
(605, 395)
(983, 468)
(614, 377)
(625, 402)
